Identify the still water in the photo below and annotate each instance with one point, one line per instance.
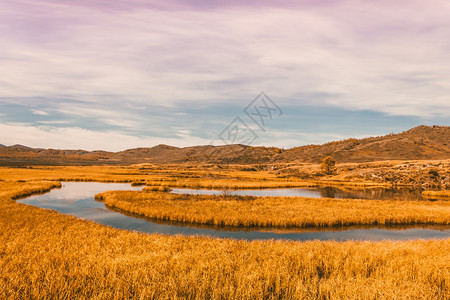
(77, 198)
(318, 192)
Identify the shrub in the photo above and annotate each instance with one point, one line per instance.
(328, 165)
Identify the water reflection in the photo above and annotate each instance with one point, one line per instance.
(77, 198)
(319, 192)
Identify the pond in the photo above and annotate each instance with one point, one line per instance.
(77, 198)
(318, 192)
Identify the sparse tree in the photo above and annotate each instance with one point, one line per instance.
(328, 165)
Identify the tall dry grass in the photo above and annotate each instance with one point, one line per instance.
(17, 189)
(436, 194)
(227, 183)
(47, 255)
(250, 211)
(167, 177)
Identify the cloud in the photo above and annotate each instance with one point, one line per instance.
(381, 56)
(47, 136)
(109, 116)
(53, 122)
(40, 112)
(121, 64)
(79, 138)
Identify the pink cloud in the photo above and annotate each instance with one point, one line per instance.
(386, 56)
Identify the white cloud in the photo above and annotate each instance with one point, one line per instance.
(53, 122)
(389, 57)
(40, 112)
(184, 133)
(79, 138)
(111, 116)
(377, 56)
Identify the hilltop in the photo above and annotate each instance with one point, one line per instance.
(419, 143)
(422, 142)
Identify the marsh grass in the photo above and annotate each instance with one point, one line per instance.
(248, 211)
(437, 194)
(47, 255)
(171, 177)
(17, 189)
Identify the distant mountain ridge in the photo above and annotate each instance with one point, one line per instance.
(422, 142)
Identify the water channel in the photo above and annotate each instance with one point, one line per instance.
(77, 199)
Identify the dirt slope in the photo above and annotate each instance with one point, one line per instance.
(422, 142)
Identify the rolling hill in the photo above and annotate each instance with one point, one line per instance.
(422, 142)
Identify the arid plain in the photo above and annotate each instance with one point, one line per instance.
(48, 255)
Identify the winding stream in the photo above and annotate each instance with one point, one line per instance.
(77, 198)
(318, 192)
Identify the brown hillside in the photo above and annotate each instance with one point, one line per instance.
(422, 142)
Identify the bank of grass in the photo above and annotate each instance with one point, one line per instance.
(229, 184)
(17, 189)
(248, 211)
(445, 194)
(169, 176)
(47, 255)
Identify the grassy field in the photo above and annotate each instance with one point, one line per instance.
(430, 174)
(169, 176)
(287, 212)
(436, 194)
(47, 255)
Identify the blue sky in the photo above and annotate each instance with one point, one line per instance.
(80, 74)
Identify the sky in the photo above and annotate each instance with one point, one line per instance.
(113, 75)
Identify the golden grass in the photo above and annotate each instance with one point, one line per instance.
(228, 183)
(436, 194)
(15, 190)
(170, 177)
(276, 211)
(47, 255)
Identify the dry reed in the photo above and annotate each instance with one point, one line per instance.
(288, 212)
(47, 255)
